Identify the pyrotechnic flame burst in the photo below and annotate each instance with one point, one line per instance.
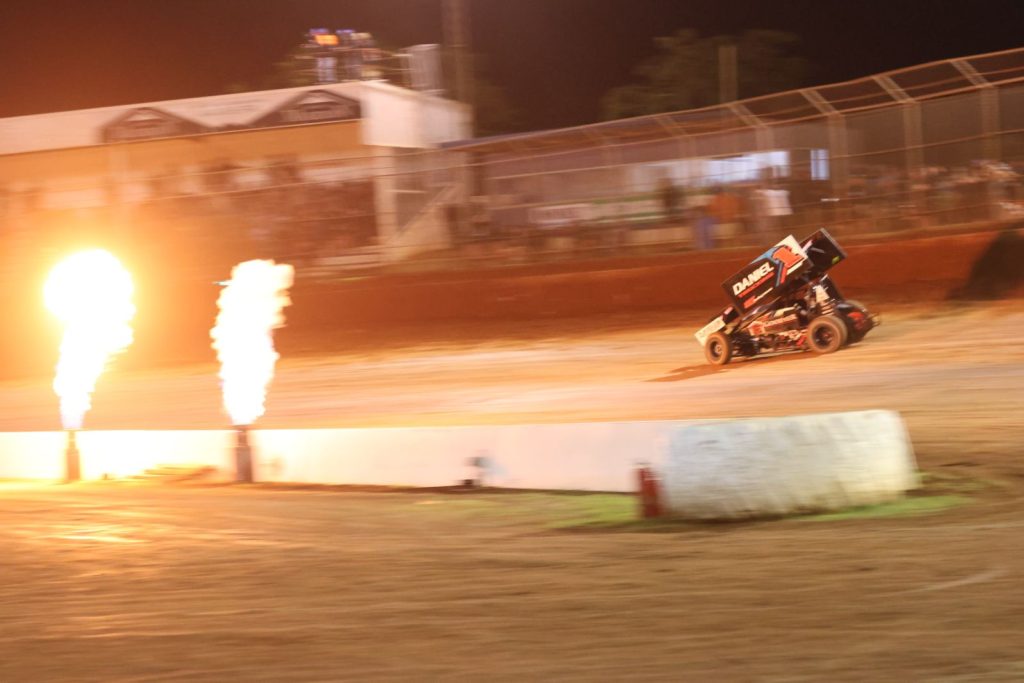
(91, 293)
(250, 309)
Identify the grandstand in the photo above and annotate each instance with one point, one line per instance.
(300, 173)
(368, 173)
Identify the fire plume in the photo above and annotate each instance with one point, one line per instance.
(91, 293)
(251, 307)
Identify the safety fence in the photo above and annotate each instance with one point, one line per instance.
(939, 144)
(932, 146)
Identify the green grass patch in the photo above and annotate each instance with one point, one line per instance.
(554, 510)
(599, 510)
(919, 505)
(564, 511)
(622, 512)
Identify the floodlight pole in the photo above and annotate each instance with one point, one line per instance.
(72, 459)
(456, 29)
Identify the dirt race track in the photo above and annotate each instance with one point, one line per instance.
(133, 582)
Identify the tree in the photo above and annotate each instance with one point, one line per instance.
(493, 111)
(293, 70)
(683, 74)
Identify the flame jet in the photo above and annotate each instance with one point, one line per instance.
(251, 307)
(91, 293)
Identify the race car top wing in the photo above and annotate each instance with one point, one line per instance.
(823, 250)
(765, 277)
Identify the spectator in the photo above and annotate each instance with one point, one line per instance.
(724, 207)
(761, 211)
(669, 200)
(704, 227)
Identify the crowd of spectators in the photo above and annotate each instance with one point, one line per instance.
(227, 214)
(874, 200)
(204, 225)
(871, 200)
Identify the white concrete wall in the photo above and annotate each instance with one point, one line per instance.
(40, 455)
(598, 456)
(127, 453)
(32, 455)
(735, 466)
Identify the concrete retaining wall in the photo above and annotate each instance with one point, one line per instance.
(599, 456)
(717, 468)
(32, 455)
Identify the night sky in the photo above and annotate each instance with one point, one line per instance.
(555, 58)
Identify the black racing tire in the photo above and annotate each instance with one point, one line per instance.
(858, 321)
(826, 334)
(718, 349)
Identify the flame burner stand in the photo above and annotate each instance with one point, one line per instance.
(243, 455)
(72, 459)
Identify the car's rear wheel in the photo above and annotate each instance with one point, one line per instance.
(718, 349)
(826, 334)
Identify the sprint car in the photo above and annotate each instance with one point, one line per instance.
(784, 300)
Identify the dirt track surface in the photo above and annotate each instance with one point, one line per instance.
(955, 374)
(148, 583)
(122, 582)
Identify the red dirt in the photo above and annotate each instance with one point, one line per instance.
(175, 312)
(146, 583)
(149, 583)
(137, 583)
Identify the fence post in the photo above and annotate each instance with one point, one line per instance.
(838, 147)
(913, 135)
(990, 124)
(839, 161)
(991, 147)
(911, 111)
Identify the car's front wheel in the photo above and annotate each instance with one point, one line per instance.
(718, 349)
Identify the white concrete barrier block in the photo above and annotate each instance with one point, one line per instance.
(132, 452)
(40, 455)
(32, 455)
(775, 466)
(709, 469)
(598, 456)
